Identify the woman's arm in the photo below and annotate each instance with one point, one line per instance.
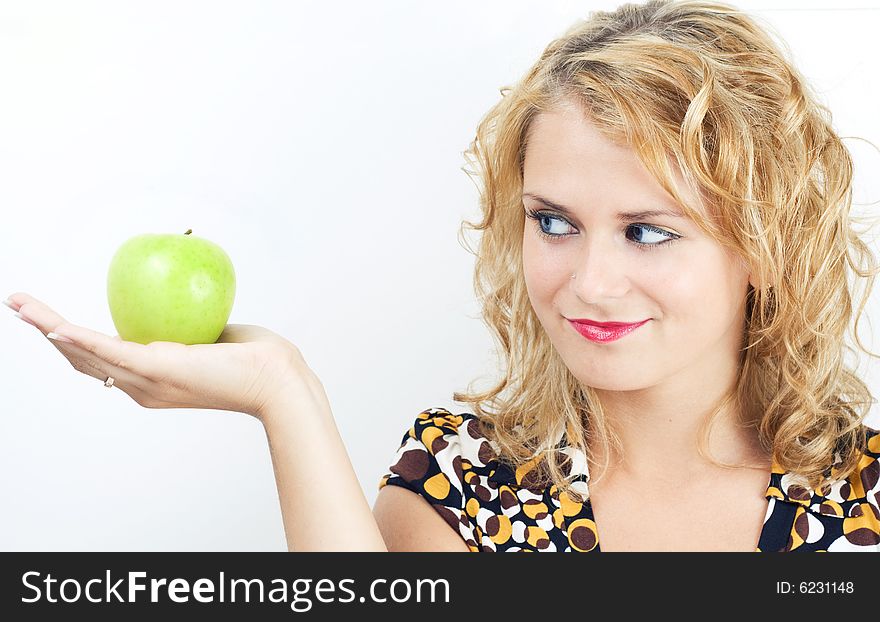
(409, 523)
(251, 370)
(322, 504)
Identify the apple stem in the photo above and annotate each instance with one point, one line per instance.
(188, 231)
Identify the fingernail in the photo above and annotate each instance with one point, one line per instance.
(58, 337)
(8, 303)
(21, 317)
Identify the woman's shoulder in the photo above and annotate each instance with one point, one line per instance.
(439, 458)
(444, 443)
(857, 495)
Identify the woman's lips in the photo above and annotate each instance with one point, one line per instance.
(603, 332)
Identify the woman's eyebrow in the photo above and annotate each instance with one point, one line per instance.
(622, 216)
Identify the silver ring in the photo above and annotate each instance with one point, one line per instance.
(109, 381)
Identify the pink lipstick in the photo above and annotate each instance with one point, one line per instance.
(604, 332)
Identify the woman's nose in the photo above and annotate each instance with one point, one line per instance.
(600, 273)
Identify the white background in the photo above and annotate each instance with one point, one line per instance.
(320, 144)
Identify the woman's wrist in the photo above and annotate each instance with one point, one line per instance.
(294, 392)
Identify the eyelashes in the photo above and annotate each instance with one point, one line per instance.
(538, 216)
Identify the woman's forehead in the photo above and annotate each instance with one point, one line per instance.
(568, 160)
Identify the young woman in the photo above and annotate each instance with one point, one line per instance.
(665, 261)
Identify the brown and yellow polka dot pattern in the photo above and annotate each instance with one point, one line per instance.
(445, 459)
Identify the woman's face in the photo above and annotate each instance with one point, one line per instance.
(659, 268)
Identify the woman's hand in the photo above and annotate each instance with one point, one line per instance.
(246, 368)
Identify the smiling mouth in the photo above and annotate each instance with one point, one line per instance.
(606, 331)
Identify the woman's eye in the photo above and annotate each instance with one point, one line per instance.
(548, 220)
(647, 235)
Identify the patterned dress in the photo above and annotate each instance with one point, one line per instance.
(444, 458)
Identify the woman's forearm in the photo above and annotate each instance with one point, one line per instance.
(322, 504)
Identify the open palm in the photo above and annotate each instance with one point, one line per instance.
(241, 372)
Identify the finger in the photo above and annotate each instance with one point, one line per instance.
(36, 312)
(85, 363)
(46, 315)
(118, 353)
(15, 300)
(139, 359)
(19, 298)
(80, 358)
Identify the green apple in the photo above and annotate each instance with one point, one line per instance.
(170, 287)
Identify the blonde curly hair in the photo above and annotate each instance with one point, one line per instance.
(703, 83)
